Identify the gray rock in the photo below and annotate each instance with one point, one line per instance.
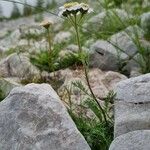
(18, 65)
(10, 41)
(108, 55)
(62, 37)
(125, 40)
(137, 140)
(97, 22)
(145, 22)
(72, 48)
(7, 84)
(132, 105)
(135, 89)
(34, 118)
(104, 56)
(146, 4)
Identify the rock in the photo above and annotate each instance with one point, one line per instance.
(7, 84)
(62, 37)
(137, 140)
(32, 30)
(3, 33)
(18, 65)
(135, 72)
(111, 54)
(132, 105)
(33, 117)
(124, 39)
(145, 22)
(146, 4)
(101, 83)
(97, 22)
(10, 41)
(72, 48)
(104, 56)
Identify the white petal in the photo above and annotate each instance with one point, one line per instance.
(61, 8)
(90, 10)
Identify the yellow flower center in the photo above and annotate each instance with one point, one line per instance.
(71, 4)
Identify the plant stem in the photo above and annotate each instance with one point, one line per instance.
(49, 39)
(85, 69)
(93, 95)
(77, 34)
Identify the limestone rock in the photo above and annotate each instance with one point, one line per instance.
(101, 82)
(124, 39)
(7, 84)
(145, 22)
(104, 56)
(18, 65)
(62, 37)
(137, 140)
(97, 22)
(132, 105)
(33, 117)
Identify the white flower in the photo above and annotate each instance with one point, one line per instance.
(74, 8)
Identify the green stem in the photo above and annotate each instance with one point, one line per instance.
(77, 34)
(93, 95)
(85, 69)
(49, 49)
(49, 39)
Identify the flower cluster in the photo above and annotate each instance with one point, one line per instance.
(74, 8)
(46, 23)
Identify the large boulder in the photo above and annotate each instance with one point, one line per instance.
(33, 117)
(136, 140)
(132, 105)
(18, 65)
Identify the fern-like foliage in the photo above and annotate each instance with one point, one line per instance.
(53, 62)
(98, 134)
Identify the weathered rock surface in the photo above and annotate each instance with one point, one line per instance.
(7, 84)
(137, 140)
(101, 83)
(34, 118)
(95, 23)
(132, 105)
(110, 54)
(62, 37)
(145, 22)
(124, 40)
(104, 56)
(18, 65)
(24, 28)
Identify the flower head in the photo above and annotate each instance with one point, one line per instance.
(46, 23)
(74, 8)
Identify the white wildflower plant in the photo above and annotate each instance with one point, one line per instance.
(75, 13)
(47, 24)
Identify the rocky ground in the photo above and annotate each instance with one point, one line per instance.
(34, 116)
